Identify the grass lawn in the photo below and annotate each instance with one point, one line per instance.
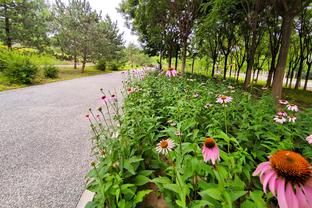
(66, 73)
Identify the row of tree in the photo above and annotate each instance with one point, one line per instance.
(73, 27)
(237, 32)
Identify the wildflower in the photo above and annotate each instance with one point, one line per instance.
(87, 116)
(210, 150)
(231, 87)
(130, 90)
(292, 119)
(113, 98)
(196, 95)
(282, 113)
(105, 99)
(279, 119)
(165, 146)
(223, 99)
(289, 177)
(292, 107)
(309, 139)
(98, 117)
(207, 105)
(171, 72)
(283, 102)
(178, 133)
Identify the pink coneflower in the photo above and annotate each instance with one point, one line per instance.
(280, 119)
(113, 98)
(283, 102)
(207, 105)
(130, 90)
(210, 150)
(289, 177)
(309, 139)
(171, 72)
(223, 99)
(165, 146)
(105, 99)
(292, 119)
(292, 107)
(282, 113)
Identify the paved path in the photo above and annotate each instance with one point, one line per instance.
(44, 146)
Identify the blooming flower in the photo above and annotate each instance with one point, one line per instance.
(223, 99)
(289, 177)
(130, 90)
(231, 87)
(113, 98)
(292, 107)
(282, 113)
(171, 72)
(207, 105)
(165, 146)
(105, 99)
(309, 139)
(196, 95)
(210, 150)
(279, 119)
(292, 119)
(283, 102)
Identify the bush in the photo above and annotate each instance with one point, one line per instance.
(51, 71)
(19, 69)
(101, 65)
(115, 67)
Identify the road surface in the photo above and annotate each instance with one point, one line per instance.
(45, 146)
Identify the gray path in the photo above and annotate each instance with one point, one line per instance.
(44, 146)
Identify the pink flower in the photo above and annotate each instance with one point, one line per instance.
(165, 146)
(280, 119)
(283, 102)
(223, 99)
(171, 72)
(309, 139)
(210, 151)
(292, 119)
(105, 99)
(113, 98)
(207, 105)
(289, 177)
(130, 90)
(292, 107)
(282, 113)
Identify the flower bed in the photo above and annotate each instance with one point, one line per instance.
(197, 142)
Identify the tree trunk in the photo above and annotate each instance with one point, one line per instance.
(84, 61)
(184, 48)
(75, 62)
(169, 57)
(193, 62)
(213, 67)
(299, 72)
(160, 60)
(250, 61)
(288, 74)
(238, 71)
(7, 27)
(292, 75)
(307, 76)
(176, 59)
(282, 58)
(271, 71)
(225, 65)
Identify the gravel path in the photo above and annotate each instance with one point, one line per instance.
(45, 150)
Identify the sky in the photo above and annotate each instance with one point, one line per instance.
(109, 7)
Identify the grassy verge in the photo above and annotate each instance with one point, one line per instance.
(66, 73)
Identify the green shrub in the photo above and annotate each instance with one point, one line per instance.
(101, 65)
(51, 71)
(115, 67)
(19, 69)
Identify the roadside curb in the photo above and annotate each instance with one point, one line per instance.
(86, 197)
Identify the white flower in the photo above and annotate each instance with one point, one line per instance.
(207, 105)
(282, 113)
(309, 139)
(231, 87)
(264, 88)
(222, 99)
(292, 107)
(283, 102)
(292, 119)
(279, 119)
(165, 146)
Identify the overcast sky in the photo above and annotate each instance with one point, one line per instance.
(109, 7)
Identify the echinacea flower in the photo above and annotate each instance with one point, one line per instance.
(283, 102)
(282, 113)
(210, 150)
(196, 95)
(113, 98)
(130, 90)
(105, 99)
(279, 119)
(292, 107)
(292, 119)
(171, 72)
(207, 105)
(165, 146)
(309, 139)
(289, 177)
(223, 99)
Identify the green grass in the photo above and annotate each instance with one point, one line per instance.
(66, 73)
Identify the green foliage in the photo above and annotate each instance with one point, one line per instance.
(19, 69)
(101, 65)
(176, 108)
(51, 71)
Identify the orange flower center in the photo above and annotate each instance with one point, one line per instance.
(291, 166)
(164, 144)
(223, 97)
(210, 143)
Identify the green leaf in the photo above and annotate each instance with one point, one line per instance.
(122, 203)
(256, 196)
(237, 194)
(129, 167)
(212, 192)
(173, 187)
(141, 194)
(141, 180)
